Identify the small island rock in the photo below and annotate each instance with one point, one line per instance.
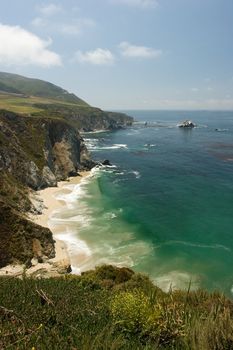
(186, 124)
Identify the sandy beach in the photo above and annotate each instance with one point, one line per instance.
(45, 201)
(51, 204)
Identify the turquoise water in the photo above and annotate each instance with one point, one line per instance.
(166, 207)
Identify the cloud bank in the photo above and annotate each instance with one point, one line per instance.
(21, 47)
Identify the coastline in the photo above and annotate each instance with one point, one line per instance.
(46, 203)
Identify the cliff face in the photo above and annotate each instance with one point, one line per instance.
(86, 118)
(100, 120)
(34, 153)
(38, 152)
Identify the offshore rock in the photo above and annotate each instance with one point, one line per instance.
(106, 162)
(186, 124)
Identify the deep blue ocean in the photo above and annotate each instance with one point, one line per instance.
(165, 208)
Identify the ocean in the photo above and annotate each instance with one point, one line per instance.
(164, 207)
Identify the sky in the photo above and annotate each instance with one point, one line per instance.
(124, 54)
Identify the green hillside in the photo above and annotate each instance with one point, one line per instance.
(13, 83)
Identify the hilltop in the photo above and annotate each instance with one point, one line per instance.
(26, 87)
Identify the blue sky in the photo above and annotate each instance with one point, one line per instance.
(125, 54)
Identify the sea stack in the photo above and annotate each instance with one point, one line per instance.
(186, 124)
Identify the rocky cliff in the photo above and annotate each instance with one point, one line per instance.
(38, 152)
(34, 153)
(86, 118)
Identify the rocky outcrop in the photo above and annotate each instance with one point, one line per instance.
(101, 120)
(41, 151)
(186, 124)
(88, 118)
(21, 240)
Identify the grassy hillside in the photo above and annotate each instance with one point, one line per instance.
(110, 308)
(34, 87)
(31, 104)
(37, 98)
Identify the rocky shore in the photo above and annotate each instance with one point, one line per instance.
(44, 204)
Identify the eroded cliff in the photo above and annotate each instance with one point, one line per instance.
(38, 152)
(34, 153)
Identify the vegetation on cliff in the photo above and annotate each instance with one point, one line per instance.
(110, 308)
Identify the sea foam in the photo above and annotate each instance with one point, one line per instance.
(176, 280)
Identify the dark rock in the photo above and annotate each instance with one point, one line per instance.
(106, 162)
(186, 124)
(69, 269)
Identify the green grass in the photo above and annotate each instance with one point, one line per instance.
(15, 83)
(110, 308)
(32, 104)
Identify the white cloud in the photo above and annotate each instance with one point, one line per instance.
(96, 57)
(129, 50)
(21, 47)
(137, 3)
(194, 89)
(50, 9)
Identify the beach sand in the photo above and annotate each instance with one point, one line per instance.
(45, 201)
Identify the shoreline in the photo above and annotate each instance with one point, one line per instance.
(45, 204)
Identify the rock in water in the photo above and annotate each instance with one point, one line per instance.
(106, 162)
(186, 124)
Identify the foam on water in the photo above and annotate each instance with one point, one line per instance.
(196, 245)
(176, 280)
(76, 247)
(110, 215)
(112, 147)
(80, 220)
(136, 173)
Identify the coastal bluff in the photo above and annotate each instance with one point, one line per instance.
(40, 144)
(34, 153)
